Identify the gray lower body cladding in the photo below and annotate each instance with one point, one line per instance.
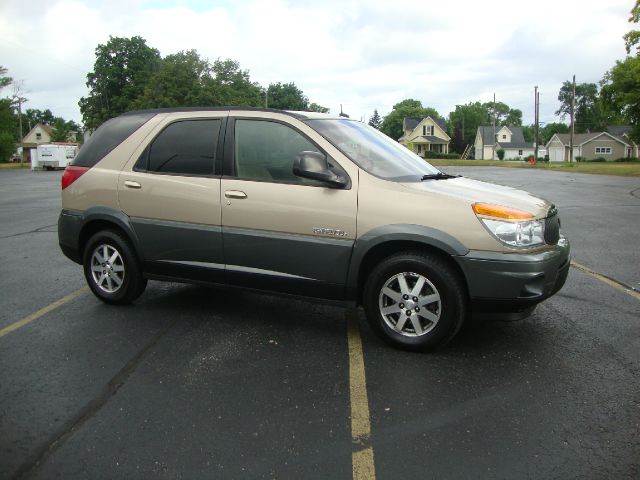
(69, 227)
(510, 282)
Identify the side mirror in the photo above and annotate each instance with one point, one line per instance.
(314, 165)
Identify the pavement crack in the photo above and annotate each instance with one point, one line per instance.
(58, 438)
(633, 193)
(35, 230)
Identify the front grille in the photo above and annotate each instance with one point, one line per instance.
(552, 227)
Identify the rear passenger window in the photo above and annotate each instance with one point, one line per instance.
(187, 147)
(266, 150)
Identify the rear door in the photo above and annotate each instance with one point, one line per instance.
(280, 231)
(171, 192)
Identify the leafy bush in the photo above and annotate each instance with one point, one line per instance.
(597, 160)
(628, 159)
(453, 156)
(579, 159)
(500, 153)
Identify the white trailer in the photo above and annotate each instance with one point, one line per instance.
(50, 156)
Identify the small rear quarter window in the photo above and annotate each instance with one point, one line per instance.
(108, 136)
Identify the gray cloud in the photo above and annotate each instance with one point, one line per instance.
(364, 55)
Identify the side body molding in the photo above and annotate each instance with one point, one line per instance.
(397, 233)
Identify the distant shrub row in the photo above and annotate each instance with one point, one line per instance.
(602, 160)
(441, 155)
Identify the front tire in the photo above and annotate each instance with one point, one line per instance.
(415, 301)
(112, 269)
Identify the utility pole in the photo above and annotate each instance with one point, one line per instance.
(266, 98)
(493, 156)
(20, 129)
(573, 108)
(536, 105)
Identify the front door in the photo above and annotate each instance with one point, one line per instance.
(280, 231)
(172, 196)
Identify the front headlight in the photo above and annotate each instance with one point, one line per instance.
(512, 227)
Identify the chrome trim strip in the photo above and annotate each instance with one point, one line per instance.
(234, 268)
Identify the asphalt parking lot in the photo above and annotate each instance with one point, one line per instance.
(201, 383)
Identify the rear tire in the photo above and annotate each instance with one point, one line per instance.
(111, 268)
(415, 301)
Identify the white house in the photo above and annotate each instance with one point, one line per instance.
(510, 139)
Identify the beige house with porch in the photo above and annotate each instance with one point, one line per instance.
(422, 135)
(38, 135)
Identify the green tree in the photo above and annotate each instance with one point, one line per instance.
(500, 153)
(632, 38)
(550, 129)
(178, 81)
(314, 107)
(63, 130)
(464, 122)
(119, 77)
(232, 86)
(504, 115)
(392, 122)
(591, 114)
(375, 121)
(5, 80)
(8, 128)
(621, 88)
(287, 96)
(8, 124)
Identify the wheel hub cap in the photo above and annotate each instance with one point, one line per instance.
(410, 304)
(107, 268)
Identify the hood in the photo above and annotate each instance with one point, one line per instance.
(476, 191)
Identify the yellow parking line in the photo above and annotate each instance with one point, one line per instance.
(43, 311)
(607, 280)
(362, 463)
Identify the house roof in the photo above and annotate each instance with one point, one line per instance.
(582, 138)
(618, 130)
(517, 137)
(410, 123)
(429, 139)
(47, 128)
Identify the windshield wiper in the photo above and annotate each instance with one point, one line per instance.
(437, 176)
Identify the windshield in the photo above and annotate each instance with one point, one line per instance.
(373, 151)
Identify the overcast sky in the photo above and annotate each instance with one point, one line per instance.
(361, 54)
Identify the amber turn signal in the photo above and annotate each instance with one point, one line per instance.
(500, 211)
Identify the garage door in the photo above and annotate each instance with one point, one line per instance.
(556, 154)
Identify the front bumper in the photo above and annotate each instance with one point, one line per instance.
(514, 282)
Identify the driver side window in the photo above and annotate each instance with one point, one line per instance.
(265, 151)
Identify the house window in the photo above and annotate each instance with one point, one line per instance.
(603, 150)
(419, 148)
(520, 152)
(504, 137)
(38, 136)
(424, 130)
(431, 130)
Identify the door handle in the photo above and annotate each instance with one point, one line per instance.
(132, 184)
(235, 194)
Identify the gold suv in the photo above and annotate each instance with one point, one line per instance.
(306, 204)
